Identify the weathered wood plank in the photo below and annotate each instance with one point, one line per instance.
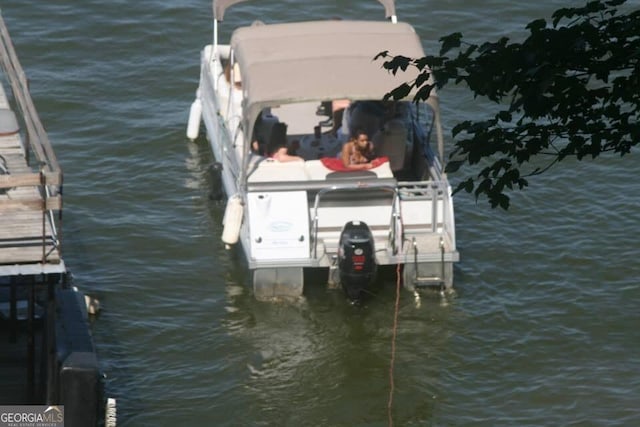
(50, 203)
(20, 180)
(11, 141)
(24, 233)
(28, 254)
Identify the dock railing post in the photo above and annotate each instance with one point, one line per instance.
(43, 184)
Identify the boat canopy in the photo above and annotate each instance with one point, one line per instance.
(320, 60)
(220, 6)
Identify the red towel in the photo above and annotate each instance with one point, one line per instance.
(335, 164)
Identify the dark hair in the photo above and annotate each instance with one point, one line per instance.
(360, 131)
(278, 137)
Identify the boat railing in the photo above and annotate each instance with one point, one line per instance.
(438, 215)
(314, 186)
(441, 209)
(45, 173)
(395, 226)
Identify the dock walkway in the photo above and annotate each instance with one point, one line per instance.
(30, 180)
(31, 264)
(28, 237)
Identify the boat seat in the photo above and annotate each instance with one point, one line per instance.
(277, 137)
(264, 128)
(350, 176)
(392, 143)
(269, 170)
(362, 119)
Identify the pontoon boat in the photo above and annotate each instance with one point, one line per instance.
(309, 86)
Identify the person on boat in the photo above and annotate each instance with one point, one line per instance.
(237, 78)
(358, 152)
(338, 108)
(277, 146)
(282, 155)
(257, 148)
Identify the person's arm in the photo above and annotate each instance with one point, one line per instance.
(282, 156)
(289, 158)
(360, 166)
(346, 159)
(345, 155)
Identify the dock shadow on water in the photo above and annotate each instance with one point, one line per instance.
(323, 360)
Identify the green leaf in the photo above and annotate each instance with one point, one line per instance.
(505, 116)
(537, 25)
(466, 185)
(397, 62)
(424, 92)
(422, 78)
(453, 166)
(382, 54)
(401, 91)
(503, 200)
(449, 42)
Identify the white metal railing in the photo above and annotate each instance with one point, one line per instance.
(395, 214)
(438, 193)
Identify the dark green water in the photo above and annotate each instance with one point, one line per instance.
(543, 328)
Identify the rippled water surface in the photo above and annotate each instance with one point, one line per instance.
(542, 330)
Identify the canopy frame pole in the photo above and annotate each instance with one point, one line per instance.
(214, 50)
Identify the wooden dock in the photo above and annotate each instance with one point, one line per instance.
(29, 241)
(30, 180)
(31, 264)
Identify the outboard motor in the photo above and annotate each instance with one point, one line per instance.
(356, 259)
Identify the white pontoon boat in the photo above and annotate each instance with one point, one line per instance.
(309, 86)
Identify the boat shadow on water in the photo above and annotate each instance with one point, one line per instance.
(307, 354)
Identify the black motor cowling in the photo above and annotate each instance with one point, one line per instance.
(356, 259)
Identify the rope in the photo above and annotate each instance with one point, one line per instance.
(393, 347)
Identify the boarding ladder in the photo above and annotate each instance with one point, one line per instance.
(434, 192)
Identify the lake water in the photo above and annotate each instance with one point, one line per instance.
(544, 327)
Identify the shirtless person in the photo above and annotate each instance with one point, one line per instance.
(357, 153)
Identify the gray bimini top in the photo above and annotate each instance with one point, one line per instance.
(320, 60)
(220, 6)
